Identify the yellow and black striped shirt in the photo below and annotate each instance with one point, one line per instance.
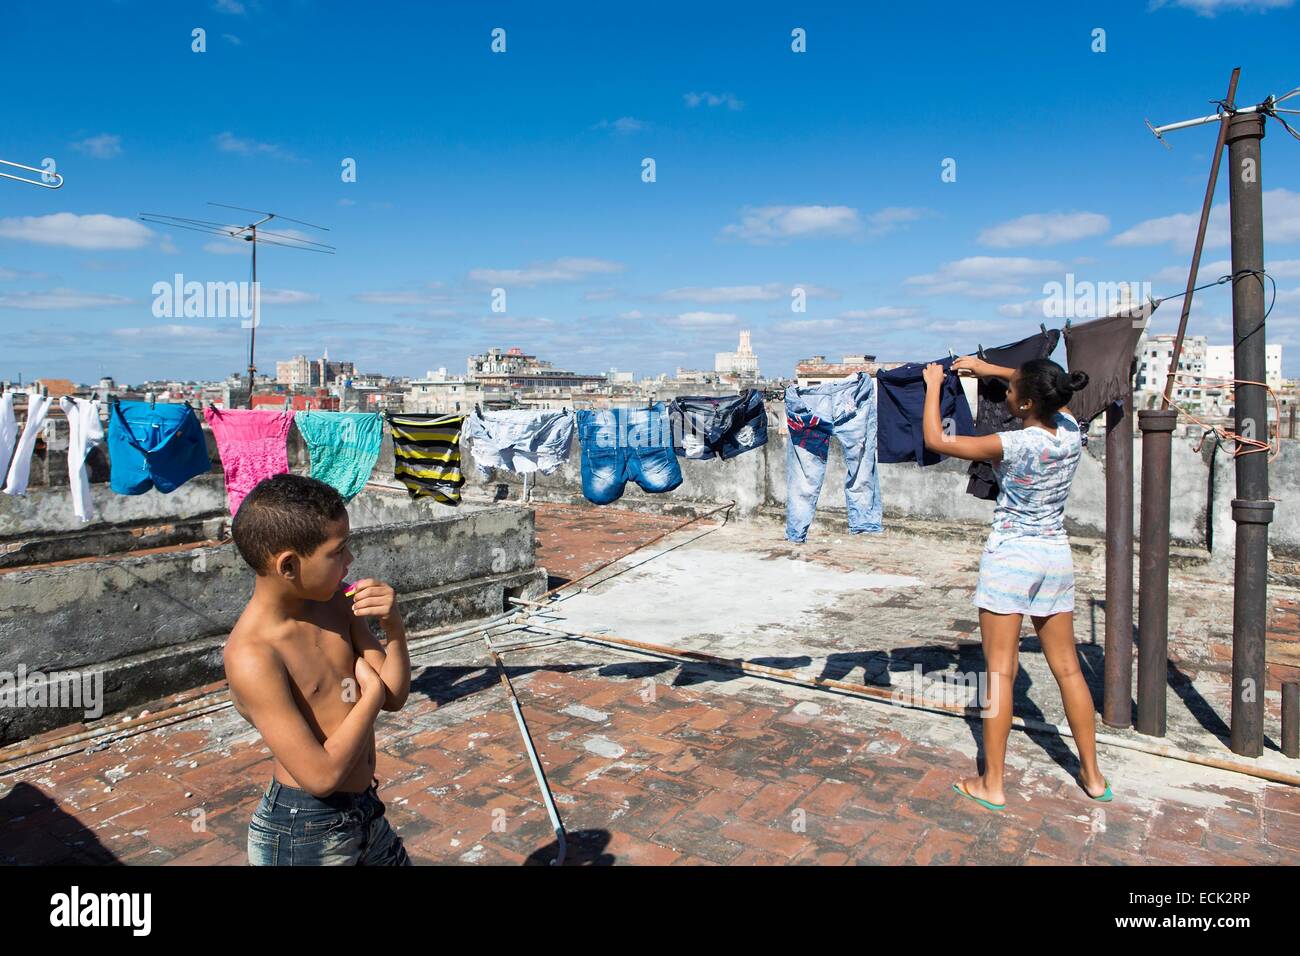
(426, 454)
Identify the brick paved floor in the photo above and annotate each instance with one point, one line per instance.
(654, 761)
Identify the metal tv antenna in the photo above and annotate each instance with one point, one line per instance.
(252, 233)
(55, 183)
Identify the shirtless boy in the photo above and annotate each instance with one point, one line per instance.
(305, 670)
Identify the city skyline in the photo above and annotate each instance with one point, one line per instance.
(478, 171)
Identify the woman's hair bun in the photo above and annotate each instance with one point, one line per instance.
(1078, 381)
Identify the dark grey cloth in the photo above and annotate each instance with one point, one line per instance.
(1104, 349)
(992, 414)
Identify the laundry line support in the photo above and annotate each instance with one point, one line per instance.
(1251, 509)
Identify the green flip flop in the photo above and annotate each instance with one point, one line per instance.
(1106, 797)
(983, 803)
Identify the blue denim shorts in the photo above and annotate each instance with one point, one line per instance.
(290, 827)
(626, 444)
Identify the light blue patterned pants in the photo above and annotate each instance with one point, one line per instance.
(849, 408)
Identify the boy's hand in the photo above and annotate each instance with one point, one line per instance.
(368, 679)
(371, 598)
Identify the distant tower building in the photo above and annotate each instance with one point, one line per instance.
(742, 362)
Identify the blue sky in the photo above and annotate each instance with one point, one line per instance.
(522, 170)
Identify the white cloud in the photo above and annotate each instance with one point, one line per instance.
(232, 39)
(624, 124)
(96, 231)
(983, 277)
(103, 146)
(1281, 224)
(632, 314)
(1018, 310)
(768, 292)
(228, 142)
(288, 297)
(398, 298)
(698, 319)
(57, 299)
(560, 270)
(229, 6)
(1208, 8)
(1281, 268)
(809, 326)
(226, 247)
(7, 275)
(763, 224)
(712, 99)
(880, 312)
(187, 333)
(884, 221)
(1044, 229)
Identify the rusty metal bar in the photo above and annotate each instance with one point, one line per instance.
(1200, 237)
(1291, 719)
(556, 823)
(1153, 570)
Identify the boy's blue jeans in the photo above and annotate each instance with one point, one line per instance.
(290, 827)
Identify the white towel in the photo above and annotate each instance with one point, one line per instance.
(21, 469)
(85, 431)
(8, 432)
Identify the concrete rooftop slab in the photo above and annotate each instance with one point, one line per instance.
(660, 761)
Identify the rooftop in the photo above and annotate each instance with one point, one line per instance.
(653, 759)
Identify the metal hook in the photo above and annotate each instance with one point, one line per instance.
(32, 182)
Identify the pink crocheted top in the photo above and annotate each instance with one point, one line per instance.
(252, 444)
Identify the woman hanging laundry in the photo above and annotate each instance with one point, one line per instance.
(1026, 567)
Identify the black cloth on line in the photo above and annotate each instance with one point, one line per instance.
(992, 414)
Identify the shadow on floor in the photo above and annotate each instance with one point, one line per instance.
(582, 848)
(34, 831)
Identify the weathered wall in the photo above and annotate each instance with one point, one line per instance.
(155, 623)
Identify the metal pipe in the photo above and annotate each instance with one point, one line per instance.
(556, 824)
(897, 699)
(1291, 719)
(1251, 509)
(1117, 698)
(1153, 570)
